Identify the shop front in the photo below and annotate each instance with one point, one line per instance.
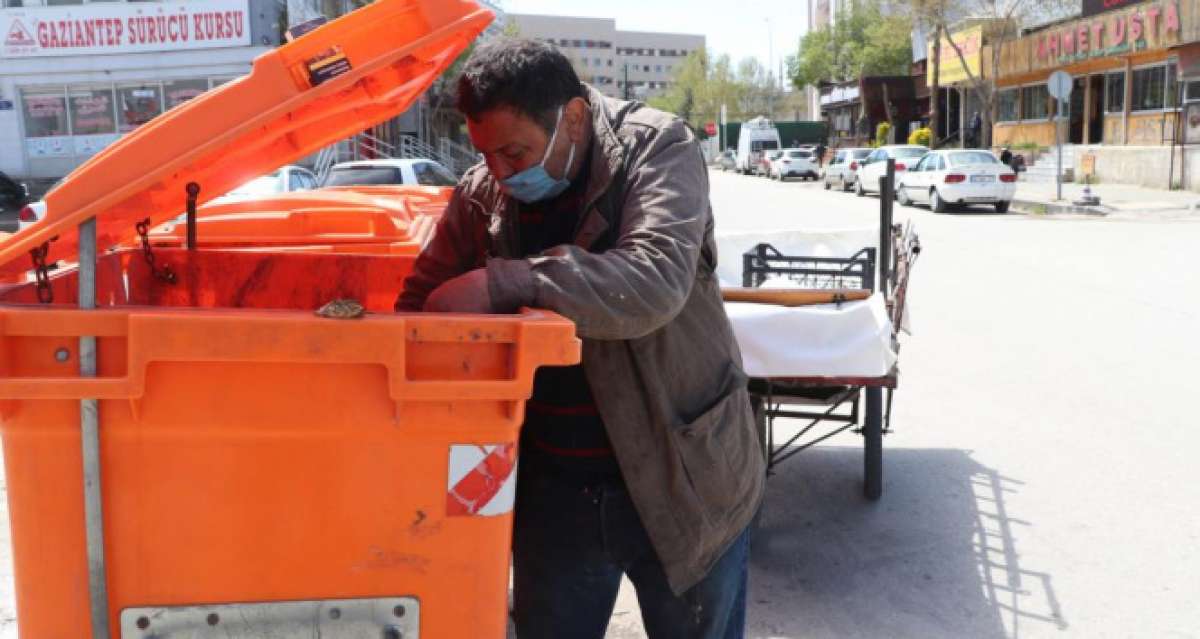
(77, 78)
(1128, 87)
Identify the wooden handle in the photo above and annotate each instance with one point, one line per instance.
(793, 296)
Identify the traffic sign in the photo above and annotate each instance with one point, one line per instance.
(710, 128)
(1059, 85)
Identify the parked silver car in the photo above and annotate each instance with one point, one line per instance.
(842, 168)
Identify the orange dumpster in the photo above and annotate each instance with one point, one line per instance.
(190, 449)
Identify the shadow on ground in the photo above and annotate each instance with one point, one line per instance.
(937, 556)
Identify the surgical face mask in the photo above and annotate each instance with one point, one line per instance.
(535, 184)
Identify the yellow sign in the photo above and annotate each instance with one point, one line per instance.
(970, 43)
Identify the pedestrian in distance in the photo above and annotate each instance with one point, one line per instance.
(644, 460)
(1006, 157)
(976, 131)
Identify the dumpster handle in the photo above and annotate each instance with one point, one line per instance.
(205, 337)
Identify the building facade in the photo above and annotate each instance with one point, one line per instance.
(74, 78)
(1135, 71)
(633, 64)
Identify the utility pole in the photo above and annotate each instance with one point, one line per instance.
(627, 92)
(770, 67)
(934, 110)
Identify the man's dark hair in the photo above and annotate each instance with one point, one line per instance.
(530, 77)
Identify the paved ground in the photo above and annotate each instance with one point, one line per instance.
(1116, 200)
(1040, 480)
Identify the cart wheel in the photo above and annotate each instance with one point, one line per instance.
(873, 444)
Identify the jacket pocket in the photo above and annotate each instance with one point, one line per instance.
(715, 450)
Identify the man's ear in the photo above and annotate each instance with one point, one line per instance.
(576, 114)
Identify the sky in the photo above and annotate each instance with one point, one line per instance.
(739, 28)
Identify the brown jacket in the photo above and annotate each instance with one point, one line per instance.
(658, 349)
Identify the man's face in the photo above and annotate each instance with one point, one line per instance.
(512, 142)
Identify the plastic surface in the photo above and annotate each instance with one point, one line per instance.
(252, 451)
(396, 220)
(257, 123)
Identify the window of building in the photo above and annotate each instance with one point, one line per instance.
(586, 62)
(45, 112)
(1034, 102)
(597, 62)
(137, 105)
(1192, 91)
(610, 62)
(1150, 88)
(176, 92)
(646, 68)
(1008, 101)
(1114, 92)
(91, 110)
(658, 68)
(1172, 86)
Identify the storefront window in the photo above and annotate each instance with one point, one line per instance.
(91, 110)
(1172, 86)
(45, 112)
(1192, 92)
(1008, 99)
(176, 92)
(1034, 101)
(1114, 92)
(1149, 89)
(138, 105)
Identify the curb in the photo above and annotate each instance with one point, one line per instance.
(1035, 207)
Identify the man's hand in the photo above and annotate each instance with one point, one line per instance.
(467, 293)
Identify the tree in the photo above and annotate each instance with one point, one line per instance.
(703, 83)
(863, 41)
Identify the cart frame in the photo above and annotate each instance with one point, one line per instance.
(860, 404)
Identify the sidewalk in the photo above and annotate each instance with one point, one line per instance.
(1115, 199)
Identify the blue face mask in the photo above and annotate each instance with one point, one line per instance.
(535, 184)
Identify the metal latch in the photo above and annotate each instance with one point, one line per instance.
(385, 617)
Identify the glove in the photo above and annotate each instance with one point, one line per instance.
(467, 293)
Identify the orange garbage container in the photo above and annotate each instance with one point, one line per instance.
(190, 449)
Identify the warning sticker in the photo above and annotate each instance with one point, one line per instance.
(482, 480)
(331, 63)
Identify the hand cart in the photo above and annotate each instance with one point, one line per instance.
(860, 404)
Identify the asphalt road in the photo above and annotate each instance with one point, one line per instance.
(1040, 480)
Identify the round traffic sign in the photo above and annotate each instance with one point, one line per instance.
(1059, 85)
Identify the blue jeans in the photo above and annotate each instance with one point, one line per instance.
(571, 545)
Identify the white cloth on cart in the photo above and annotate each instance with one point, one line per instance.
(828, 340)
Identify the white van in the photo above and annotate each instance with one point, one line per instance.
(756, 136)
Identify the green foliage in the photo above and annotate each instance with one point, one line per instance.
(702, 83)
(862, 41)
(881, 133)
(922, 136)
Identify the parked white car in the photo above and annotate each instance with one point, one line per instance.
(799, 163)
(284, 180)
(843, 167)
(874, 166)
(391, 171)
(948, 178)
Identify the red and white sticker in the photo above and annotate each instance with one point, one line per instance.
(482, 480)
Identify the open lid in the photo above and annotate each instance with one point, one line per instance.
(326, 85)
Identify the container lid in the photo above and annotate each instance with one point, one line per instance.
(298, 218)
(326, 85)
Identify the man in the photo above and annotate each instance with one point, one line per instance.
(1006, 157)
(819, 150)
(975, 131)
(642, 461)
